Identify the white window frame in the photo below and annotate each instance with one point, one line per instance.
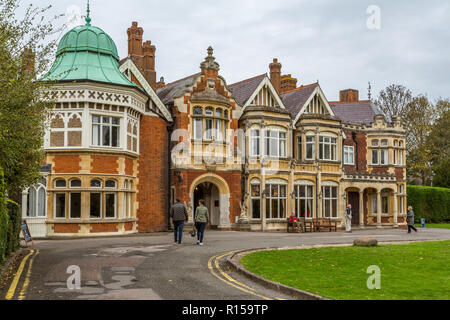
(101, 124)
(279, 199)
(275, 143)
(255, 142)
(257, 198)
(330, 199)
(331, 142)
(349, 154)
(307, 199)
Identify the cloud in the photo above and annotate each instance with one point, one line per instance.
(313, 39)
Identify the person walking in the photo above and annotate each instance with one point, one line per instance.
(179, 215)
(201, 218)
(348, 218)
(410, 218)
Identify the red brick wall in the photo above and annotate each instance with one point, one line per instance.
(103, 227)
(128, 166)
(66, 164)
(128, 226)
(153, 175)
(362, 151)
(104, 164)
(66, 228)
(399, 174)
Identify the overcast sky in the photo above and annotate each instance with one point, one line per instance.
(315, 40)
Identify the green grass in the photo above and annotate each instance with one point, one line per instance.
(408, 272)
(436, 225)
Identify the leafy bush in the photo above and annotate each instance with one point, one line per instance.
(10, 219)
(430, 203)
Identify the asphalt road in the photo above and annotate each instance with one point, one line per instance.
(151, 267)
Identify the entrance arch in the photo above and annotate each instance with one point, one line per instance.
(216, 193)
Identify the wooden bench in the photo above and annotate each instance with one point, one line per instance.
(324, 223)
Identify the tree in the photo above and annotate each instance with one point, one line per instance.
(393, 100)
(25, 53)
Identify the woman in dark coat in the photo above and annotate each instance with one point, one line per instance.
(410, 218)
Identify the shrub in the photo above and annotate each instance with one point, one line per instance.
(10, 219)
(430, 203)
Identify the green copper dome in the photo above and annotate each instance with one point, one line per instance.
(87, 53)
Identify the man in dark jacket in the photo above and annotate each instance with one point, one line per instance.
(179, 215)
(410, 218)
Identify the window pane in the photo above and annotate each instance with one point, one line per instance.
(115, 136)
(41, 202)
(106, 136)
(60, 205)
(95, 119)
(255, 191)
(198, 111)
(268, 202)
(208, 129)
(110, 205)
(76, 183)
(96, 135)
(274, 213)
(31, 202)
(334, 192)
(110, 184)
(96, 183)
(256, 212)
(282, 191)
(60, 183)
(75, 205)
(116, 121)
(198, 129)
(106, 120)
(310, 191)
(374, 156)
(309, 208)
(334, 208)
(95, 205)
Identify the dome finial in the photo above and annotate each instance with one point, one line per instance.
(88, 18)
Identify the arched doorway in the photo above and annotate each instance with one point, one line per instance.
(216, 193)
(210, 193)
(353, 199)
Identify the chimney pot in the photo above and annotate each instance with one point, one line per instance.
(275, 74)
(349, 95)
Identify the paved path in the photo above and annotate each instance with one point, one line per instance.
(152, 267)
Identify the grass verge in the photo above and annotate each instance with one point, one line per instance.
(408, 272)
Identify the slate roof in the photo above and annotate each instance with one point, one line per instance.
(175, 89)
(241, 91)
(361, 112)
(295, 99)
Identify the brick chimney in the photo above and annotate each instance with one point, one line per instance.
(143, 54)
(149, 63)
(288, 83)
(28, 60)
(135, 44)
(275, 74)
(349, 95)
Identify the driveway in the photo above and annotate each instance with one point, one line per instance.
(151, 267)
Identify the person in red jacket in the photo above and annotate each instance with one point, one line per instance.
(293, 222)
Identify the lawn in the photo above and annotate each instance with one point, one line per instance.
(408, 272)
(436, 225)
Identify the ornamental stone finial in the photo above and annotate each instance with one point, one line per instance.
(210, 63)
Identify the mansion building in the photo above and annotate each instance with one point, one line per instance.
(121, 147)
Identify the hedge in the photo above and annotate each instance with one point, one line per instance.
(10, 219)
(430, 203)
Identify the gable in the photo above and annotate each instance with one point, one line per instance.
(131, 71)
(316, 104)
(265, 95)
